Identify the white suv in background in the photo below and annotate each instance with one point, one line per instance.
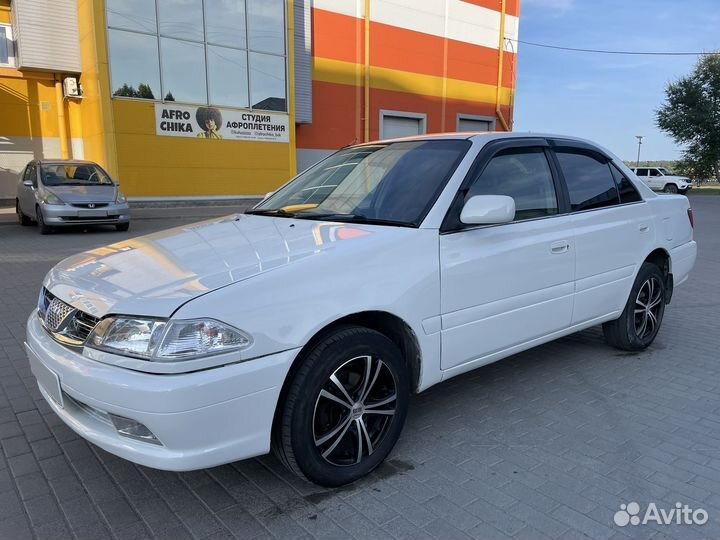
(661, 179)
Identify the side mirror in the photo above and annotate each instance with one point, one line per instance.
(27, 183)
(488, 210)
(268, 194)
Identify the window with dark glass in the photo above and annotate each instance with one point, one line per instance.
(199, 52)
(641, 172)
(625, 187)
(6, 46)
(589, 181)
(394, 182)
(524, 175)
(655, 172)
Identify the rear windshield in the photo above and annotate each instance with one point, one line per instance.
(68, 174)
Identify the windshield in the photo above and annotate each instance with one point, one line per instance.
(68, 174)
(389, 183)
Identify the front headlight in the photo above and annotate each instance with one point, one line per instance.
(51, 198)
(120, 197)
(160, 340)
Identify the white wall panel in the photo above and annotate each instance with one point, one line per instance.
(46, 35)
(465, 22)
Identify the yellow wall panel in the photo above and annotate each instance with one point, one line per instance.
(339, 72)
(27, 107)
(95, 112)
(157, 166)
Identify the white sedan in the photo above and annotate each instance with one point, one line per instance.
(305, 324)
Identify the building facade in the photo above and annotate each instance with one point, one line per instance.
(214, 98)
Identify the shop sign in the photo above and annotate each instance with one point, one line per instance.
(212, 123)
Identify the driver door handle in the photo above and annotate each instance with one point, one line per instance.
(561, 246)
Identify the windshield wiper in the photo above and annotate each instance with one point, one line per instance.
(278, 212)
(356, 218)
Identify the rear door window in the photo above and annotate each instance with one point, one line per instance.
(626, 189)
(589, 181)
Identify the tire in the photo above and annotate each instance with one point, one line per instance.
(22, 218)
(670, 188)
(122, 227)
(319, 438)
(42, 227)
(636, 331)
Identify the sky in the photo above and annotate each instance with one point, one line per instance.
(608, 98)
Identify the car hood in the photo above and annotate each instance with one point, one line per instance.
(84, 194)
(154, 275)
(673, 177)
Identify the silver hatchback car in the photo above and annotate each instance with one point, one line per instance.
(57, 193)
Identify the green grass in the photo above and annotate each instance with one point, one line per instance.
(705, 191)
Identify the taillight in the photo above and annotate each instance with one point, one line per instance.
(691, 218)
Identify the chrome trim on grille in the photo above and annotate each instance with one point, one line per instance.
(64, 323)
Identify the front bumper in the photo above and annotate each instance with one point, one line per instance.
(66, 214)
(202, 419)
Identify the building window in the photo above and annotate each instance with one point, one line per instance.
(229, 53)
(395, 124)
(7, 46)
(472, 123)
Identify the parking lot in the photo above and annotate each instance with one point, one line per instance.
(545, 444)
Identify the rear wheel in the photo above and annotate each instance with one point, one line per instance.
(640, 321)
(345, 407)
(670, 188)
(22, 218)
(42, 227)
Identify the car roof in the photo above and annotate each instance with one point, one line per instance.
(64, 162)
(485, 136)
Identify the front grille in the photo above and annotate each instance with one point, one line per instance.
(91, 205)
(65, 323)
(56, 314)
(90, 218)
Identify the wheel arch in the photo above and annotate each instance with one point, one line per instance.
(386, 323)
(662, 259)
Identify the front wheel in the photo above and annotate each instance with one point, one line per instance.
(345, 407)
(671, 188)
(122, 227)
(42, 227)
(640, 321)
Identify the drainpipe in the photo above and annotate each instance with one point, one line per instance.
(62, 130)
(501, 56)
(367, 71)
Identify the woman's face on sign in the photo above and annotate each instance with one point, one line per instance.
(210, 124)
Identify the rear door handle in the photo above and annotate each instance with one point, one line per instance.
(560, 246)
(644, 227)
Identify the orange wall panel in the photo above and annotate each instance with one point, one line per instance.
(336, 117)
(340, 37)
(337, 124)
